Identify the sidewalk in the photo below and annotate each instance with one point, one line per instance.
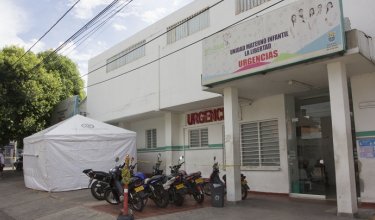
(18, 202)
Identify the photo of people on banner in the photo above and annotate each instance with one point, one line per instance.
(314, 20)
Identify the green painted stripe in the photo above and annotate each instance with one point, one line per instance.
(216, 146)
(365, 133)
(179, 148)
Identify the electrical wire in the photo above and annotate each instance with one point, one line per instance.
(107, 18)
(162, 57)
(158, 36)
(47, 31)
(86, 27)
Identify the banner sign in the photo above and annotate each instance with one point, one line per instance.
(366, 148)
(299, 31)
(205, 116)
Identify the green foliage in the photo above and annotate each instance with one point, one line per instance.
(28, 94)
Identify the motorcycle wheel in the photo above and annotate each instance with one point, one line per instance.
(207, 189)
(179, 199)
(162, 197)
(244, 192)
(136, 202)
(97, 192)
(199, 197)
(110, 197)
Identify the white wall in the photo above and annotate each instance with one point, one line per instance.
(140, 128)
(363, 91)
(264, 109)
(172, 81)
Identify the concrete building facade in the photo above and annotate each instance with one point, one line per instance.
(301, 125)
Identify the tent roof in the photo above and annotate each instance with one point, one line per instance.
(80, 126)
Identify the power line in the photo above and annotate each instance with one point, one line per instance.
(111, 14)
(86, 27)
(146, 64)
(47, 31)
(146, 42)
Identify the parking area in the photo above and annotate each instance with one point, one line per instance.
(18, 202)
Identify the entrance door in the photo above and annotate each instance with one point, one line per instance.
(314, 167)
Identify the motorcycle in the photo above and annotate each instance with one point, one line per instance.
(98, 182)
(154, 186)
(214, 178)
(114, 194)
(194, 184)
(18, 164)
(174, 183)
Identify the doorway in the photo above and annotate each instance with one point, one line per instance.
(314, 166)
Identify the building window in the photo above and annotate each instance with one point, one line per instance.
(198, 137)
(188, 26)
(244, 5)
(128, 55)
(260, 144)
(151, 138)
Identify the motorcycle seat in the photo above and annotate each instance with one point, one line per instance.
(100, 175)
(196, 174)
(156, 177)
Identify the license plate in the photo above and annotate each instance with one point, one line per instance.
(139, 188)
(199, 180)
(180, 186)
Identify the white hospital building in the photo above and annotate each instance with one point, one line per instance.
(281, 91)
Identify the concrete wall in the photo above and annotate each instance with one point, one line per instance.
(264, 109)
(171, 81)
(363, 91)
(141, 126)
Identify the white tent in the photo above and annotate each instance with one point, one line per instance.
(55, 157)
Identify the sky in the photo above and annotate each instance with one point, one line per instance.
(24, 21)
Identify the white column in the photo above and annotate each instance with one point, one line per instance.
(168, 140)
(232, 144)
(342, 139)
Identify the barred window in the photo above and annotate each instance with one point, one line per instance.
(128, 55)
(244, 5)
(151, 138)
(198, 137)
(188, 26)
(260, 144)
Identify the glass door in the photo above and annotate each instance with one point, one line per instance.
(314, 165)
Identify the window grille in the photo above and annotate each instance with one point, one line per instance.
(260, 144)
(151, 138)
(244, 5)
(128, 55)
(188, 26)
(198, 137)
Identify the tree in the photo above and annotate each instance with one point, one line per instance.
(68, 72)
(29, 92)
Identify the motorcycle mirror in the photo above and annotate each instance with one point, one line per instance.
(131, 161)
(181, 157)
(159, 155)
(214, 158)
(117, 159)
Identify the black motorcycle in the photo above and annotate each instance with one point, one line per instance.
(19, 164)
(194, 184)
(154, 186)
(115, 193)
(98, 182)
(214, 178)
(174, 183)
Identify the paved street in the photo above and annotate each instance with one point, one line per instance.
(17, 202)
